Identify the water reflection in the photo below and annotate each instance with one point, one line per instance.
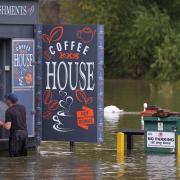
(18, 168)
(121, 166)
(112, 120)
(84, 171)
(112, 117)
(161, 166)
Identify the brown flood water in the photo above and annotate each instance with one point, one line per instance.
(95, 162)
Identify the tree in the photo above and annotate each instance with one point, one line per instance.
(167, 55)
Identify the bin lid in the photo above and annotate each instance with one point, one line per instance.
(155, 111)
(160, 119)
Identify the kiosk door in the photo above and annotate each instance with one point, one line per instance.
(5, 74)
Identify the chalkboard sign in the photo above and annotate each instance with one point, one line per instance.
(22, 63)
(73, 76)
(23, 72)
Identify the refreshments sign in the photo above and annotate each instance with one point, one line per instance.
(18, 12)
(73, 83)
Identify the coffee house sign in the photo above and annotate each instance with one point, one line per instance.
(18, 12)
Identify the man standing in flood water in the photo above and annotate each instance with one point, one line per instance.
(15, 122)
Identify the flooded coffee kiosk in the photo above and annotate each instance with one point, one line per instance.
(56, 71)
(17, 34)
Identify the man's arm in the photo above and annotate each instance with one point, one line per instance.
(8, 120)
(6, 125)
(1, 123)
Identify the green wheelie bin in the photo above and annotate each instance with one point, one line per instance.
(161, 134)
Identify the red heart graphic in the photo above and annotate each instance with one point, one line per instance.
(55, 35)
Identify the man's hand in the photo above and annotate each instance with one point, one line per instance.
(1, 123)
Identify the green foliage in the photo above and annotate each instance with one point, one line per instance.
(49, 12)
(147, 30)
(141, 36)
(167, 55)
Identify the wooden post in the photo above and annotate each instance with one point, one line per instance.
(129, 141)
(120, 143)
(72, 145)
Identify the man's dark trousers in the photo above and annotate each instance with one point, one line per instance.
(18, 140)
